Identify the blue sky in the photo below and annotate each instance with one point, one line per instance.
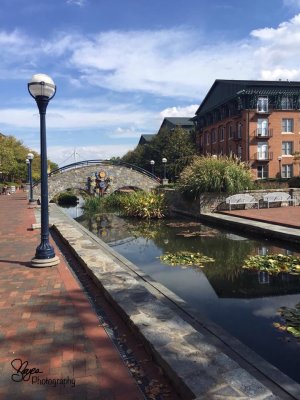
(121, 66)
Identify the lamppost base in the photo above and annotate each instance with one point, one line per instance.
(46, 262)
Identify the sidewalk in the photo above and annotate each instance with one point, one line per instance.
(52, 342)
(286, 216)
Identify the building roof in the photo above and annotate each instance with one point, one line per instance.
(146, 138)
(224, 90)
(179, 121)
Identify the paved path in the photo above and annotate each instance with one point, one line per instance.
(287, 216)
(48, 322)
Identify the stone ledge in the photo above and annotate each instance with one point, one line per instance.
(196, 368)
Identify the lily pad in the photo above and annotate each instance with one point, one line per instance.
(185, 258)
(291, 317)
(274, 264)
(197, 233)
(183, 224)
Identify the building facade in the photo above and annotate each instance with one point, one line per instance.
(256, 121)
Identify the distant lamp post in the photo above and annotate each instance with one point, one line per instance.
(165, 180)
(30, 158)
(279, 161)
(42, 89)
(152, 162)
(27, 182)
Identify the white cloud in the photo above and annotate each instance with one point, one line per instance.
(79, 3)
(76, 118)
(121, 133)
(188, 111)
(278, 51)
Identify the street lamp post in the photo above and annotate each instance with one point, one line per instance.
(30, 158)
(152, 162)
(27, 182)
(165, 180)
(42, 89)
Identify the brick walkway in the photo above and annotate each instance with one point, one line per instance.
(47, 321)
(287, 216)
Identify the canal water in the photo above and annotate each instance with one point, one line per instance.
(242, 302)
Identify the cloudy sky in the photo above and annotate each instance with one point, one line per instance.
(121, 66)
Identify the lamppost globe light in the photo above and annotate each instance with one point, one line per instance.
(30, 156)
(152, 162)
(41, 85)
(164, 160)
(27, 161)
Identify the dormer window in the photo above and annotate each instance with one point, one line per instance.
(287, 103)
(262, 104)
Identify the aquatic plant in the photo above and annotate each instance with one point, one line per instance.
(292, 320)
(186, 258)
(274, 264)
(136, 204)
(144, 205)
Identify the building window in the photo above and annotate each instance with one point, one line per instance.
(230, 131)
(262, 171)
(262, 126)
(287, 125)
(286, 103)
(287, 148)
(207, 138)
(221, 133)
(239, 130)
(262, 104)
(287, 171)
(239, 152)
(263, 151)
(213, 136)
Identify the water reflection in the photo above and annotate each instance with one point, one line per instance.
(243, 302)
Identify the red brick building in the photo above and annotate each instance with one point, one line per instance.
(257, 121)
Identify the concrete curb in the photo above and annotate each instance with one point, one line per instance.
(196, 367)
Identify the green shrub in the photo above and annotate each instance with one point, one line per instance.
(137, 204)
(144, 205)
(105, 203)
(66, 198)
(215, 174)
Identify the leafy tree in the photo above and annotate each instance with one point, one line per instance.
(177, 146)
(12, 160)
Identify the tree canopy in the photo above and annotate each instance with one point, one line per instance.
(12, 160)
(177, 146)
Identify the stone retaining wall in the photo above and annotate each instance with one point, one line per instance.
(213, 202)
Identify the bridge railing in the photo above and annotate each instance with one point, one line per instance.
(105, 162)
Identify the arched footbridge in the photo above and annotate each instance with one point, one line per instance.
(81, 175)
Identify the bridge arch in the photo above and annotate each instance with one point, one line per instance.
(75, 176)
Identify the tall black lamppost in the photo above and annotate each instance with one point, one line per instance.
(30, 158)
(27, 182)
(42, 89)
(152, 162)
(164, 161)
